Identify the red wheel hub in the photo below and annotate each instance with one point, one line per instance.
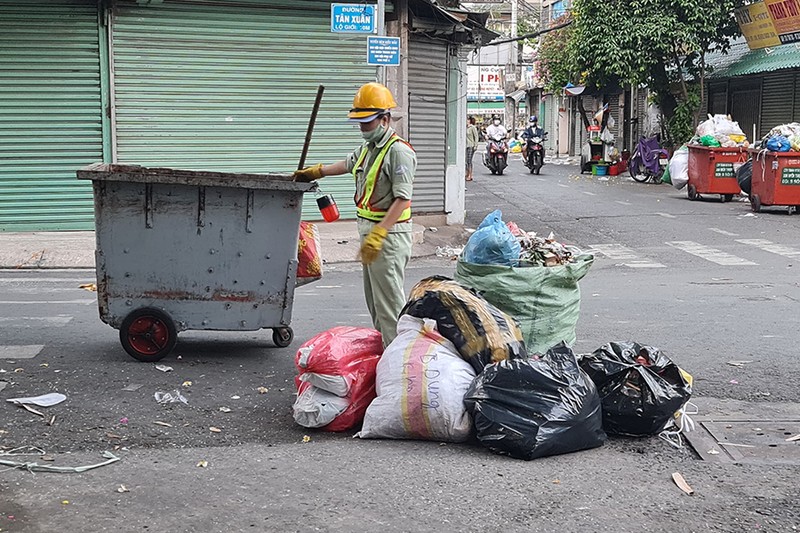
(148, 335)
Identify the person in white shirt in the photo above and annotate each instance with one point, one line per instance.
(495, 129)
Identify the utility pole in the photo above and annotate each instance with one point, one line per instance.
(381, 27)
(511, 72)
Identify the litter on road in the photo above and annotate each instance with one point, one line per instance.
(32, 466)
(682, 484)
(170, 397)
(164, 368)
(45, 400)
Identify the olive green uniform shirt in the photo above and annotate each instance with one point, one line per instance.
(395, 180)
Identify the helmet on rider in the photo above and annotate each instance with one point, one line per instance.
(371, 101)
(533, 120)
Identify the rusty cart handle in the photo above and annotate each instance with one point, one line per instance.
(310, 130)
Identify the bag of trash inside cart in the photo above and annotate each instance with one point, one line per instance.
(421, 382)
(640, 387)
(334, 359)
(529, 408)
(309, 251)
(481, 332)
(492, 243)
(546, 300)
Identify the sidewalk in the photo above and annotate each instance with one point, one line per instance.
(75, 249)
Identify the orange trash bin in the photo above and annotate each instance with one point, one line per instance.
(713, 171)
(776, 180)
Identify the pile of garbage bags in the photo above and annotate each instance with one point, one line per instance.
(784, 138)
(719, 131)
(540, 292)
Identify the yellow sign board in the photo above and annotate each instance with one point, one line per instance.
(785, 16)
(756, 25)
(770, 23)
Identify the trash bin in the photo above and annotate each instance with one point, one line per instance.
(185, 250)
(776, 180)
(713, 171)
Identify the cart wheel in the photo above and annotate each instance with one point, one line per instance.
(726, 197)
(148, 334)
(282, 337)
(755, 203)
(692, 192)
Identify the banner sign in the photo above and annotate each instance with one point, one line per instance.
(485, 83)
(770, 23)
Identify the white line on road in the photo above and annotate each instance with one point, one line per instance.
(541, 179)
(710, 254)
(626, 256)
(20, 352)
(589, 193)
(41, 302)
(666, 215)
(771, 247)
(562, 185)
(723, 232)
(621, 202)
(24, 320)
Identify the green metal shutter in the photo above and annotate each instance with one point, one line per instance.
(796, 117)
(777, 94)
(50, 113)
(230, 87)
(427, 125)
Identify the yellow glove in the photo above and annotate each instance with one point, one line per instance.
(308, 173)
(371, 247)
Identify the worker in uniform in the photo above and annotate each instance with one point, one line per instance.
(383, 168)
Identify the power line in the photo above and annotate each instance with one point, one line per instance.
(534, 34)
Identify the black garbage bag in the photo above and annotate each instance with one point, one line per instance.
(640, 387)
(482, 333)
(745, 176)
(529, 408)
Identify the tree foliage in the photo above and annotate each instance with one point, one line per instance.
(558, 57)
(661, 44)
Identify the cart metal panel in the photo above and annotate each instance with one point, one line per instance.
(776, 179)
(712, 170)
(215, 251)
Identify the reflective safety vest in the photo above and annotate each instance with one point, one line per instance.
(364, 207)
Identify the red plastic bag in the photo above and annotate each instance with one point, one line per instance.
(337, 377)
(309, 256)
(362, 392)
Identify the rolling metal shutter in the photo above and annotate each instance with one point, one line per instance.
(796, 117)
(50, 113)
(427, 126)
(777, 94)
(229, 86)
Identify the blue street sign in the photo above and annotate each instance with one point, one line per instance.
(353, 18)
(383, 51)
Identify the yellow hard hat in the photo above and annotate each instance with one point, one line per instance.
(371, 100)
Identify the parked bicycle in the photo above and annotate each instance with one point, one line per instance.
(648, 161)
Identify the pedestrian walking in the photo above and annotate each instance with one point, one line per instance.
(383, 168)
(472, 145)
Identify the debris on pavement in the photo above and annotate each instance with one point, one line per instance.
(451, 252)
(164, 368)
(45, 400)
(306, 438)
(681, 483)
(225, 409)
(123, 420)
(202, 464)
(186, 384)
(32, 466)
(213, 429)
(133, 387)
(262, 390)
(160, 423)
(32, 410)
(92, 287)
(236, 397)
(739, 363)
(122, 488)
(170, 397)
(793, 438)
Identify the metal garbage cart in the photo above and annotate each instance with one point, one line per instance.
(712, 170)
(180, 250)
(776, 180)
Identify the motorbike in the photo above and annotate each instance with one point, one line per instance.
(535, 151)
(496, 160)
(648, 161)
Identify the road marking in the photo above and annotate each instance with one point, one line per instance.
(666, 215)
(710, 254)
(27, 320)
(20, 352)
(771, 247)
(589, 193)
(620, 202)
(723, 232)
(541, 179)
(52, 302)
(562, 185)
(626, 256)
(76, 281)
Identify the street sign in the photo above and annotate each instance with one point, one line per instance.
(353, 18)
(383, 51)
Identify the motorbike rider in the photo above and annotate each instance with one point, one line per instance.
(533, 130)
(495, 130)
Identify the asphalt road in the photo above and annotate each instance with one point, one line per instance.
(702, 280)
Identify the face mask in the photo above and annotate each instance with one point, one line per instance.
(496, 122)
(374, 135)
